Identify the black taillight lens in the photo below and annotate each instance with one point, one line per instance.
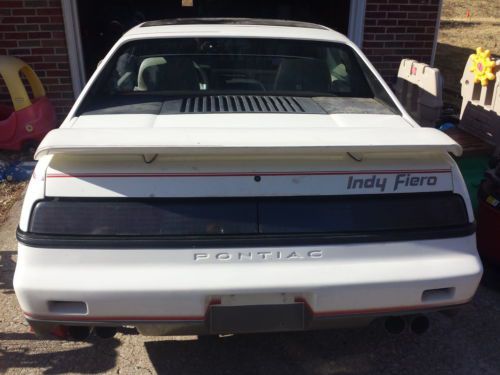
(248, 216)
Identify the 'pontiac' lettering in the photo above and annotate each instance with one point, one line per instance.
(258, 256)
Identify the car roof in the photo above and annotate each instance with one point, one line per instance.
(233, 21)
(233, 27)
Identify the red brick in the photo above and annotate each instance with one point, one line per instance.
(28, 43)
(15, 36)
(386, 22)
(6, 20)
(45, 66)
(53, 43)
(429, 8)
(55, 58)
(56, 73)
(8, 43)
(30, 58)
(384, 37)
(19, 51)
(407, 22)
(375, 14)
(367, 45)
(415, 30)
(23, 12)
(37, 19)
(35, 3)
(417, 16)
(11, 4)
(374, 30)
(59, 34)
(42, 51)
(49, 11)
(408, 31)
(52, 27)
(57, 19)
(427, 36)
(397, 15)
(27, 27)
(7, 28)
(396, 30)
(410, 8)
(405, 37)
(390, 7)
(40, 35)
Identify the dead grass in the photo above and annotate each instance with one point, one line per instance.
(459, 37)
(10, 192)
(479, 9)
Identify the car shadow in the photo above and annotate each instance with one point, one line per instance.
(270, 353)
(7, 267)
(90, 357)
(367, 350)
(453, 345)
(28, 352)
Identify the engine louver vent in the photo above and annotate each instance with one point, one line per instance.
(248, 104)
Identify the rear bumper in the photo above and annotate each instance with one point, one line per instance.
(172, 291)
(44, 327)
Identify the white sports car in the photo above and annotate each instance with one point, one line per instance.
(238, 175)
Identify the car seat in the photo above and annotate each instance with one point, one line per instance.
(176, 73)
(303, 75)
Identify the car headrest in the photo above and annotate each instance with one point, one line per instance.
(146, 72)
(173, 73)
(303, 75)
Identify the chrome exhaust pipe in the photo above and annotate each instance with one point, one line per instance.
(419, 324)
(105, 332)
(395, 325)
(79, 333)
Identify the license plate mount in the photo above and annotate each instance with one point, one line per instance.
(256, 318)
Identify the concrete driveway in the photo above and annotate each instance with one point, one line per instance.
(468, 344)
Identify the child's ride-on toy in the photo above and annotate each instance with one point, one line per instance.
(28, 120)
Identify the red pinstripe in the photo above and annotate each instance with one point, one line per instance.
(241, 174)
(316, 314)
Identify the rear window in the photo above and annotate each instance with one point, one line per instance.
(235, 66)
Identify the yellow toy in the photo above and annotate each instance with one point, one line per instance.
(482, 66)
(24, 120)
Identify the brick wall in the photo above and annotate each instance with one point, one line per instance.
(396, 29)
(34, 32)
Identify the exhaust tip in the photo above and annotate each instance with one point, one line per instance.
(105, 332)
(395, 325)
(79, 333)
(419, 324)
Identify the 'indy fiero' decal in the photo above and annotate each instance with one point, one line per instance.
(392, 183)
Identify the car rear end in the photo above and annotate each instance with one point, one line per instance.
(238, 210)
(295, 243)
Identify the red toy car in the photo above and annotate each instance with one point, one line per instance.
(27, 120)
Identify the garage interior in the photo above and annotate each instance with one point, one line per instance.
(100, 30)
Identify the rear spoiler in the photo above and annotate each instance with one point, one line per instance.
(191, 141)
